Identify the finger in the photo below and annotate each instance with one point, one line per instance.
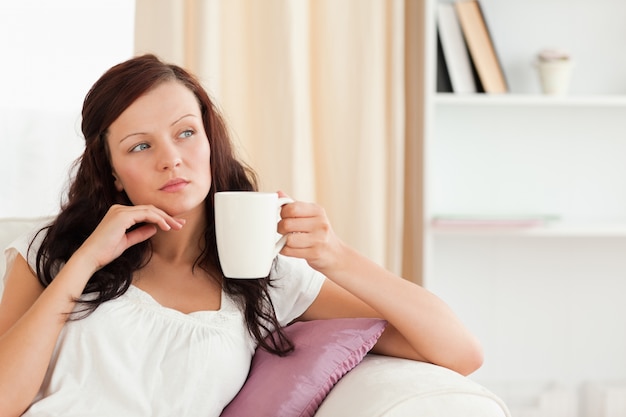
(174, 223)
(303, 225)
(299, 241)
(151, 214)
(302, 209)
(309, 254)
(140, 234)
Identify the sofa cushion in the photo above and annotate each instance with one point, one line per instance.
(296, 384)
(383, 386)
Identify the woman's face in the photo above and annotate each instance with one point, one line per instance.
(160, 153)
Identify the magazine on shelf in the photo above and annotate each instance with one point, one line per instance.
(486, 221)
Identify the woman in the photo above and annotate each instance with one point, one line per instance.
(119, 307)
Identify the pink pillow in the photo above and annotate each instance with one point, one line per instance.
(296, 385)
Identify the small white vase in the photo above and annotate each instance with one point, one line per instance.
(555, 76)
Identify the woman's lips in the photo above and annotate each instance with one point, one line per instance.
(174, 185)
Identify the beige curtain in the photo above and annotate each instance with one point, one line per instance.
(315, 92)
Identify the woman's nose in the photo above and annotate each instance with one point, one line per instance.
(169, 157)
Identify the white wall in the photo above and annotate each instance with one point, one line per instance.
(51, 54)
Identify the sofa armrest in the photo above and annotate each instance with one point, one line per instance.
(392, 387)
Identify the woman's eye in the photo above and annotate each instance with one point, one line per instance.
(140, 147)
(186, 134)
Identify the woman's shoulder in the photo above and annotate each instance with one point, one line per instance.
(16, 235)
(23, 236)
(285, 265)
(294, 286)
(286, 268)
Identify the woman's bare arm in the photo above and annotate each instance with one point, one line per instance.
(422, 326)
(30, 322)
(31, 318)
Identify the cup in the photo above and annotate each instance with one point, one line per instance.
(555, 76)
(245, 229)
(555, 68)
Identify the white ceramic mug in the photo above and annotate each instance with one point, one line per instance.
(245, 229)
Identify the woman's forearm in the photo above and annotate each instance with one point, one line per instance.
(421, 318)
(27, 346)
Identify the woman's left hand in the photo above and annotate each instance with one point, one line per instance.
(422, 327)
(310, 235)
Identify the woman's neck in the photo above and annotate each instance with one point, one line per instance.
(181, 246)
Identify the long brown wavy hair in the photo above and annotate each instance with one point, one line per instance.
(92, 192)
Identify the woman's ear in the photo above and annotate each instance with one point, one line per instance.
(118, 184)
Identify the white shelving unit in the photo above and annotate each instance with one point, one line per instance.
(547, 302)
(535, 100)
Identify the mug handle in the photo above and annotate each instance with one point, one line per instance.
(283, 238)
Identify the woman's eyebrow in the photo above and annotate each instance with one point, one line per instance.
(182, 117)
(132, 134)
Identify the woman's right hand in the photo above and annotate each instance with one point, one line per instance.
(112, 236)
(28, 312)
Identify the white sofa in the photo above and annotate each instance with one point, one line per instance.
(379, 386)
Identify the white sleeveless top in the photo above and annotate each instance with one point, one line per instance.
(134, 357)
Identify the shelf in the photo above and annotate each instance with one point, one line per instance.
(451, 99)
(489, 157)
(553, 229)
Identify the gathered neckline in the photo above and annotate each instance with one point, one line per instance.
(147, 298)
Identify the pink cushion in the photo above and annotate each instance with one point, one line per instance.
(296, 385)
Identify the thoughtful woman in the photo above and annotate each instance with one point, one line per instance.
(119, 306)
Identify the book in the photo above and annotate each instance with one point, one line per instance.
(480, 45)
(457, 59)
(444, 85)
